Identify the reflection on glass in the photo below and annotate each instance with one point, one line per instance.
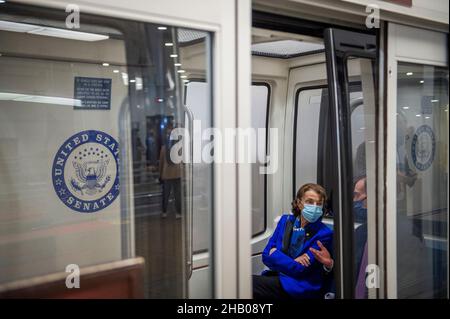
(48, 220)
(362, 118)
(127, 86)
(197, 99)
(173, 201)
(422, 181)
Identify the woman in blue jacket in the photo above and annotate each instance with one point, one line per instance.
(297, 253)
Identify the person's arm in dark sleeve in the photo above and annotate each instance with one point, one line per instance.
(283, 263)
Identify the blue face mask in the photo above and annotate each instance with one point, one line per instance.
(312, 213)
(360, 213)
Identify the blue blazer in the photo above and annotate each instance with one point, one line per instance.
(298, 281)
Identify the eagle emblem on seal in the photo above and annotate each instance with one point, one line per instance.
(90, 176)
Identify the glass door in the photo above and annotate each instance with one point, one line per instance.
(351, 61)
(168, 185)
(417, 219)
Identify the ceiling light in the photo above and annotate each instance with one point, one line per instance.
(125, 78)
(168, 44)
(132, 80)
(116, 71)
(183, 76)
(105, 64)
(2, 1)
(406, 107)
(139, 84)
(427, 117)
(177, 64)
(51, 32)
(162, 28)
(434, 101)
(181, 71)
(409, 73)
(422, 81)
(418, 115)
(174, 55)
(160, 100)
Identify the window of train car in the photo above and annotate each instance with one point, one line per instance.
(196, 100)
(87, 175)
(311, 134)
(422, 181)
(307, 118)
(311, 109)
(259, 120)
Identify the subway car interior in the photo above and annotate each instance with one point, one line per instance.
(321, 100)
